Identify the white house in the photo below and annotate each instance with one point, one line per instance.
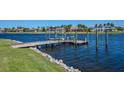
(2, 30)
(104, 27)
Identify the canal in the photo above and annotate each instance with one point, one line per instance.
(84, 57)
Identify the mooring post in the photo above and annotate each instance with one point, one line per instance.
(64, 35)
(96, 39)
(46, 45)
(87, 36)
(46, 34)
(52, 45)
(49, 34)
(61, 35)
(55, 35)
(37, 47)
(76, 37)
(106, 38)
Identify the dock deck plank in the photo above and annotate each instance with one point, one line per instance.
(31, 44)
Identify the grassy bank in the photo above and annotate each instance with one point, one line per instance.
(23, 60)
(66, 32)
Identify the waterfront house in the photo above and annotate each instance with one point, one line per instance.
(2, 30)
(32, 30)
(56, 29)
(51, 29)
(104, 27)
(19, 30)
(74, 28)
(60, 29)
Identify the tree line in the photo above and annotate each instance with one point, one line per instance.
(81, 28)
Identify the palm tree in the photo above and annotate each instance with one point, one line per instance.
(82, 27)
(43, 29)
(120, 28)
(108, 24)
(5, 29)
(112, 25)
(67, 27)
(62, 26)
(25, 29)
(13, 29)
(38, 29)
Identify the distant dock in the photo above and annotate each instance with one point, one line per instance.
(38, 43)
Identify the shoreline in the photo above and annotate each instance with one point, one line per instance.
(53, 60)
(60, 33)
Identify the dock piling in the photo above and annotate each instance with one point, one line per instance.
(106, 38)
(96, 39)
(75, 37)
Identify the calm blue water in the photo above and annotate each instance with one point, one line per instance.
(84, 57)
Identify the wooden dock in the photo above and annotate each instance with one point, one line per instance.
(33, 44)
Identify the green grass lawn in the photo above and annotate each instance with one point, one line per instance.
(24, 60)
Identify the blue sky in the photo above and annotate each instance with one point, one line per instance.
(35, 23)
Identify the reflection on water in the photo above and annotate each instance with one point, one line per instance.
(106, 51)
(86, 57)
(79, 57)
